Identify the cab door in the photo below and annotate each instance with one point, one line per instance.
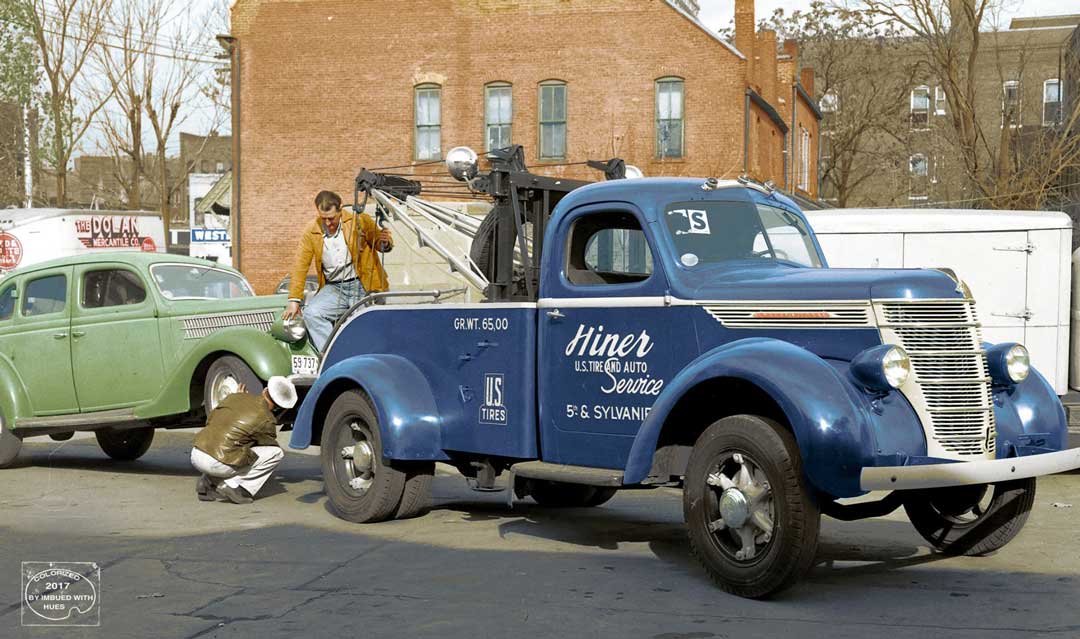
(42, 352)
(115, 345)
(603, 328)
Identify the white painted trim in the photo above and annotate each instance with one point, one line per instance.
(967, 473)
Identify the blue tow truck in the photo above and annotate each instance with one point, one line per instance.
(687, 333)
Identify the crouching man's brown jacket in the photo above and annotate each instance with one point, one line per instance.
(240, 421)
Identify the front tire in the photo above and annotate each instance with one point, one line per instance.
(224, 377)
(10, 444)
(971, 520)
(752, 523)
(361, 485)
(125, 445)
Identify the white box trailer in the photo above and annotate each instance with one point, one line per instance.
(1017, 264)
(29, 236)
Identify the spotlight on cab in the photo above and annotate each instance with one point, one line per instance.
(462, 163)
(632, 172)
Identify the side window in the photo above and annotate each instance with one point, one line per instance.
(45, 295)
(608, 248)
(113, 287)
(7, 302)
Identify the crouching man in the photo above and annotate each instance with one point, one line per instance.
(237, 451)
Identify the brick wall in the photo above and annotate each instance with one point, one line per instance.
(326, 87)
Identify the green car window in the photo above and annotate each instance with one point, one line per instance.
(45, 295)
(193, 282)
(7, 302)
(112, 287)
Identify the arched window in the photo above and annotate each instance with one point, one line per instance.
(552, 120)
(669, 118)
(428, 107)
(498, 115)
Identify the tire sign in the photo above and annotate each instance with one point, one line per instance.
(11, 251)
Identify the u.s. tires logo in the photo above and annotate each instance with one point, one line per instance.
(493, 411)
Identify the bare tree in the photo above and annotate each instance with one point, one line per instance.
(1002, 166)
(67, 32)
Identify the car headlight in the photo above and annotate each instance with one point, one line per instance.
(1009, 363)
(290, 330)
(882, 368)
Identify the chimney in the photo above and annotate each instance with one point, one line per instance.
(791, 48)
(744, 34)
(767, 64)
(806, 79)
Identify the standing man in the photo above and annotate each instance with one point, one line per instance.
(343, 249)
(239, 443)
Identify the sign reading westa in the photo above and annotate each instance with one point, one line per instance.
(112, 232)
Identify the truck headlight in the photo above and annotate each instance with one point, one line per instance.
(882, 368)
(291, 330)
(1009, 363)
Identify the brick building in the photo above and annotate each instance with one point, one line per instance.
(324, 87)
(1020, 87)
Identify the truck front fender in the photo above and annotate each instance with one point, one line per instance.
(265, 355)
(409, 422)
(828, 422)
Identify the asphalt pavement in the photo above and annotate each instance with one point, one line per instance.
(284, 566)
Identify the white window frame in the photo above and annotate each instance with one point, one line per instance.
(554, 123)
(940, 101)
(670, 81)
(913, 111)
(1061, 92)
(924, 176)
(427, 126)
(493, 120)
(1019, 102)
(804, 159)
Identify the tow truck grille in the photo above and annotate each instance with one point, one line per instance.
(203, 325)
(950, 383)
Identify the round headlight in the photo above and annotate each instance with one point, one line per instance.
(1017, 363)
(294, 329)
(896, 366)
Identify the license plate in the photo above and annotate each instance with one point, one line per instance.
(305, 365)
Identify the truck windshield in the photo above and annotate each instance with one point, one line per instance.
(712, 232)
(193, 282)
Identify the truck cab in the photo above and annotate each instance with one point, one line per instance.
(689, 333)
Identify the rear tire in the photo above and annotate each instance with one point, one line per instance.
(962, 521)
(223, 378)
(10, 444)
(416, 497)
(752, 523)
(361, 485)
(125, 445)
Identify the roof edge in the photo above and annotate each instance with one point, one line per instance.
(701, 25)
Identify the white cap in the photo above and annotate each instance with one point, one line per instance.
(282, 391)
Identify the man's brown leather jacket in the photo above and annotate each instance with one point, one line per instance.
(240, 421)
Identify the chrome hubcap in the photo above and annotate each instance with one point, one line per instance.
(745, 505)
(359, 460)
(222, 387)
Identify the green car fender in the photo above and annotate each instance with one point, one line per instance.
(14, 402)
(265, 356)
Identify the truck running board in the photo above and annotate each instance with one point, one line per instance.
(568, 474)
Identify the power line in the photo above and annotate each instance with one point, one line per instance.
(200, 50)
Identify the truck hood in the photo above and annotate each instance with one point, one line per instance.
(174, 308)
(782, 282)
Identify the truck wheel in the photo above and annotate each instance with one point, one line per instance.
(416, 497)
(752, 523)
(10, 443)
(362, 487)
(125, 445)
(972, 520)
(223, 378)
(557, 494)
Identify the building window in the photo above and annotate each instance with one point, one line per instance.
(1051, 102)
(220, 167)
(829, 102)
(1010, 103)
(552, 120)
(939, 101)
(498, 114)
(669, 118)
(918, 169)
(428, 122)
(920, 108)
(804, 159)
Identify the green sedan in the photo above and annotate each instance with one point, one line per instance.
(122, 343)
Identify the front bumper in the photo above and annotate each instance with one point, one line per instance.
(965, 473)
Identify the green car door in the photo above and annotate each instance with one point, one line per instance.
(115, 347)
(40, 346)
